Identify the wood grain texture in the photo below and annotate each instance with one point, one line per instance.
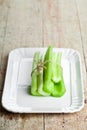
(40, 23)
(24, 26)
(4, 7)
(3, 21)
(52, 33)
(82, 13)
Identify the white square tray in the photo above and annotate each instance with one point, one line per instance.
(18, 78)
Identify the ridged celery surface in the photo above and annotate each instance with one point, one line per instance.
(47, 74)
(59, 86)
(37, 76)
(40, 78)
(34, 86)
(56, 67)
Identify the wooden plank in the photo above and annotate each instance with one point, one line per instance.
(59, 121)
(24, 29)
(3, 18)
(61, 19)
(4, 7)
(82, 119)
(52, 27)
(1, 48)
(82, 14)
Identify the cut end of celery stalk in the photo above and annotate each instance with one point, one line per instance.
(56, 79)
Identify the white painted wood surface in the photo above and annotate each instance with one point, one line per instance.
(37, 23)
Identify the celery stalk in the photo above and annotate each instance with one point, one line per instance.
(56, 68)
(40, 78)
(59, 88)
(47, 73)
(40, 84)
(59, 56)
(34, 86)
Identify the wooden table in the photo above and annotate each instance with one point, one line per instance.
(38, 23)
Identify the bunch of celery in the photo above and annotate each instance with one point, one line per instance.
(47, 74)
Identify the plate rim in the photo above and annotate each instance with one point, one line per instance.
(6, 105)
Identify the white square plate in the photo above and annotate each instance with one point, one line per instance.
(16, 97)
